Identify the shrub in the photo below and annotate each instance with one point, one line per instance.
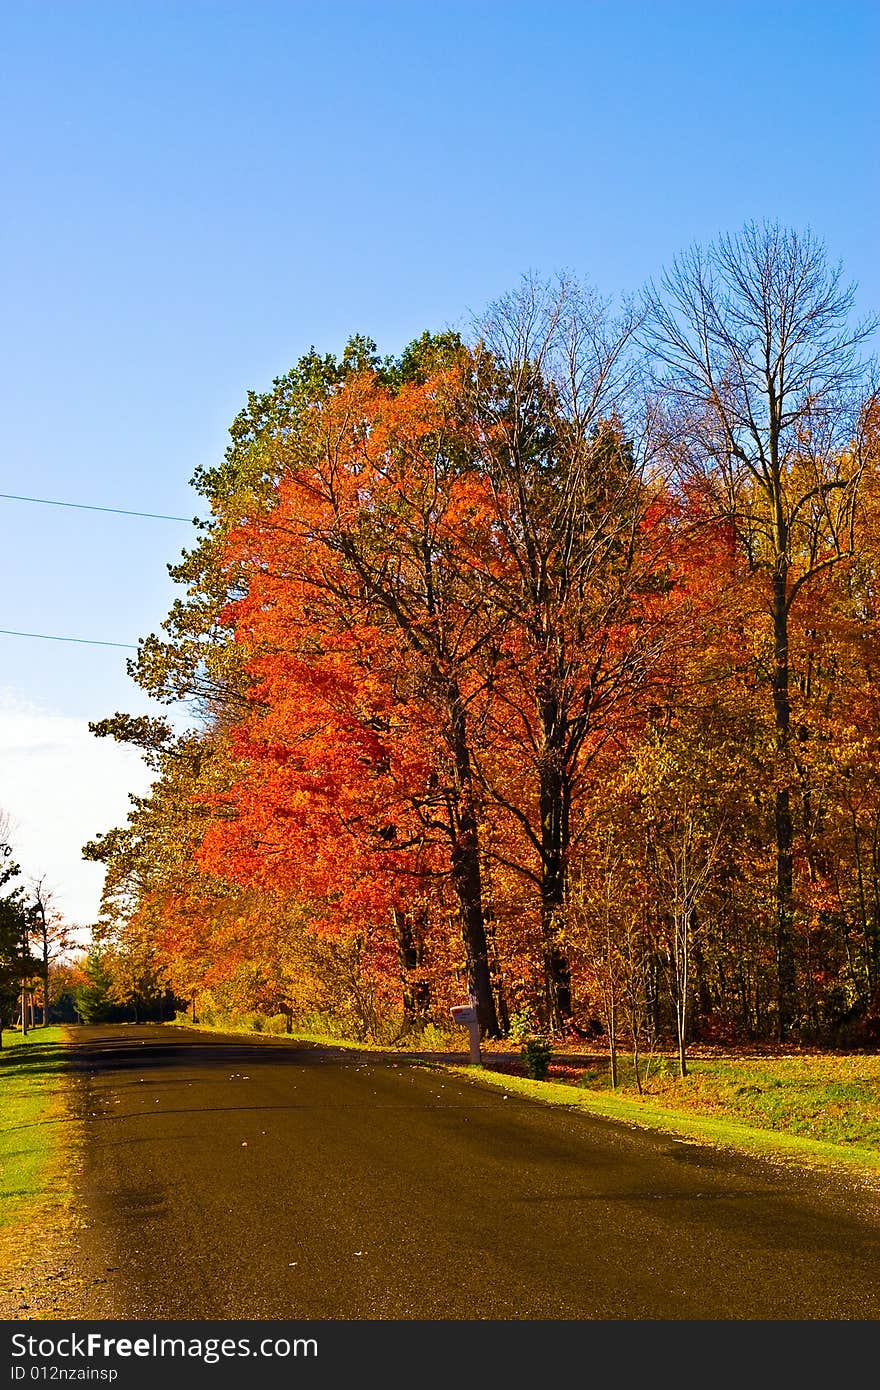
(521, 1026)
(537, 1054)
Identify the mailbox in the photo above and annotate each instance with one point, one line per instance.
(467, 1015)
(464, 1013)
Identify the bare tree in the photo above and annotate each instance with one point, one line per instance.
(593, 911)
(41, 926)
(764, 383)
(681, 856)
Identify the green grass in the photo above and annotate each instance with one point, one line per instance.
(31, 1080)
(828, 1099)
(821, 1110)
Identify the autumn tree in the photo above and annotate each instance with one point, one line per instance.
(512, 670)
(193, 661)
(155, 900)
(761, 374)
(151, 869)
(570, 565)
(358, 548)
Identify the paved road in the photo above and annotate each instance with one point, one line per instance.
(230, 1179)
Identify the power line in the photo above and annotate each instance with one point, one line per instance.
(87, 507)
(83, 641)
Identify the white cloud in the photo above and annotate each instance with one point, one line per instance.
(60, 786)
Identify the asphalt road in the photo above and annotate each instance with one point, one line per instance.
(230, 1179)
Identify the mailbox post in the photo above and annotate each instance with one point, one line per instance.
(467, 1014)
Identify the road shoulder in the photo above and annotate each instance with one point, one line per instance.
(39, 1142)
(776, 1146)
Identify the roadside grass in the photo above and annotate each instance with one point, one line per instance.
(827, 1098)
(31, 1104)
(38, 1164)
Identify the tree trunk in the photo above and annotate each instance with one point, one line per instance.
(495, 972)
(782, 818)
(466, 873)
(466, 879)
(554, 804)
(411, 956)
(681, 965)
(45, 974)
(612, 1044)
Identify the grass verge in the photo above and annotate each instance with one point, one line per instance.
(35, 1169)
(31, 1080)
(826, 1097)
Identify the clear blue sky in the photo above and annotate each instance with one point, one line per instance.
(194, 193)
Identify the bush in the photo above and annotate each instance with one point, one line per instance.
(537, 1054)
(433, 1038)
(522, 1026)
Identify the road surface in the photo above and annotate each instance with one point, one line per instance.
(224, 1178)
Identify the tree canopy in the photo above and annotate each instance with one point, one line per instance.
(537, 665)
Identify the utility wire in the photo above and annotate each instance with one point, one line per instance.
(83, 507)
(86, 507)
(83, 641)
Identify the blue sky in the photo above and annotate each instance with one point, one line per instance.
(194, 193)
